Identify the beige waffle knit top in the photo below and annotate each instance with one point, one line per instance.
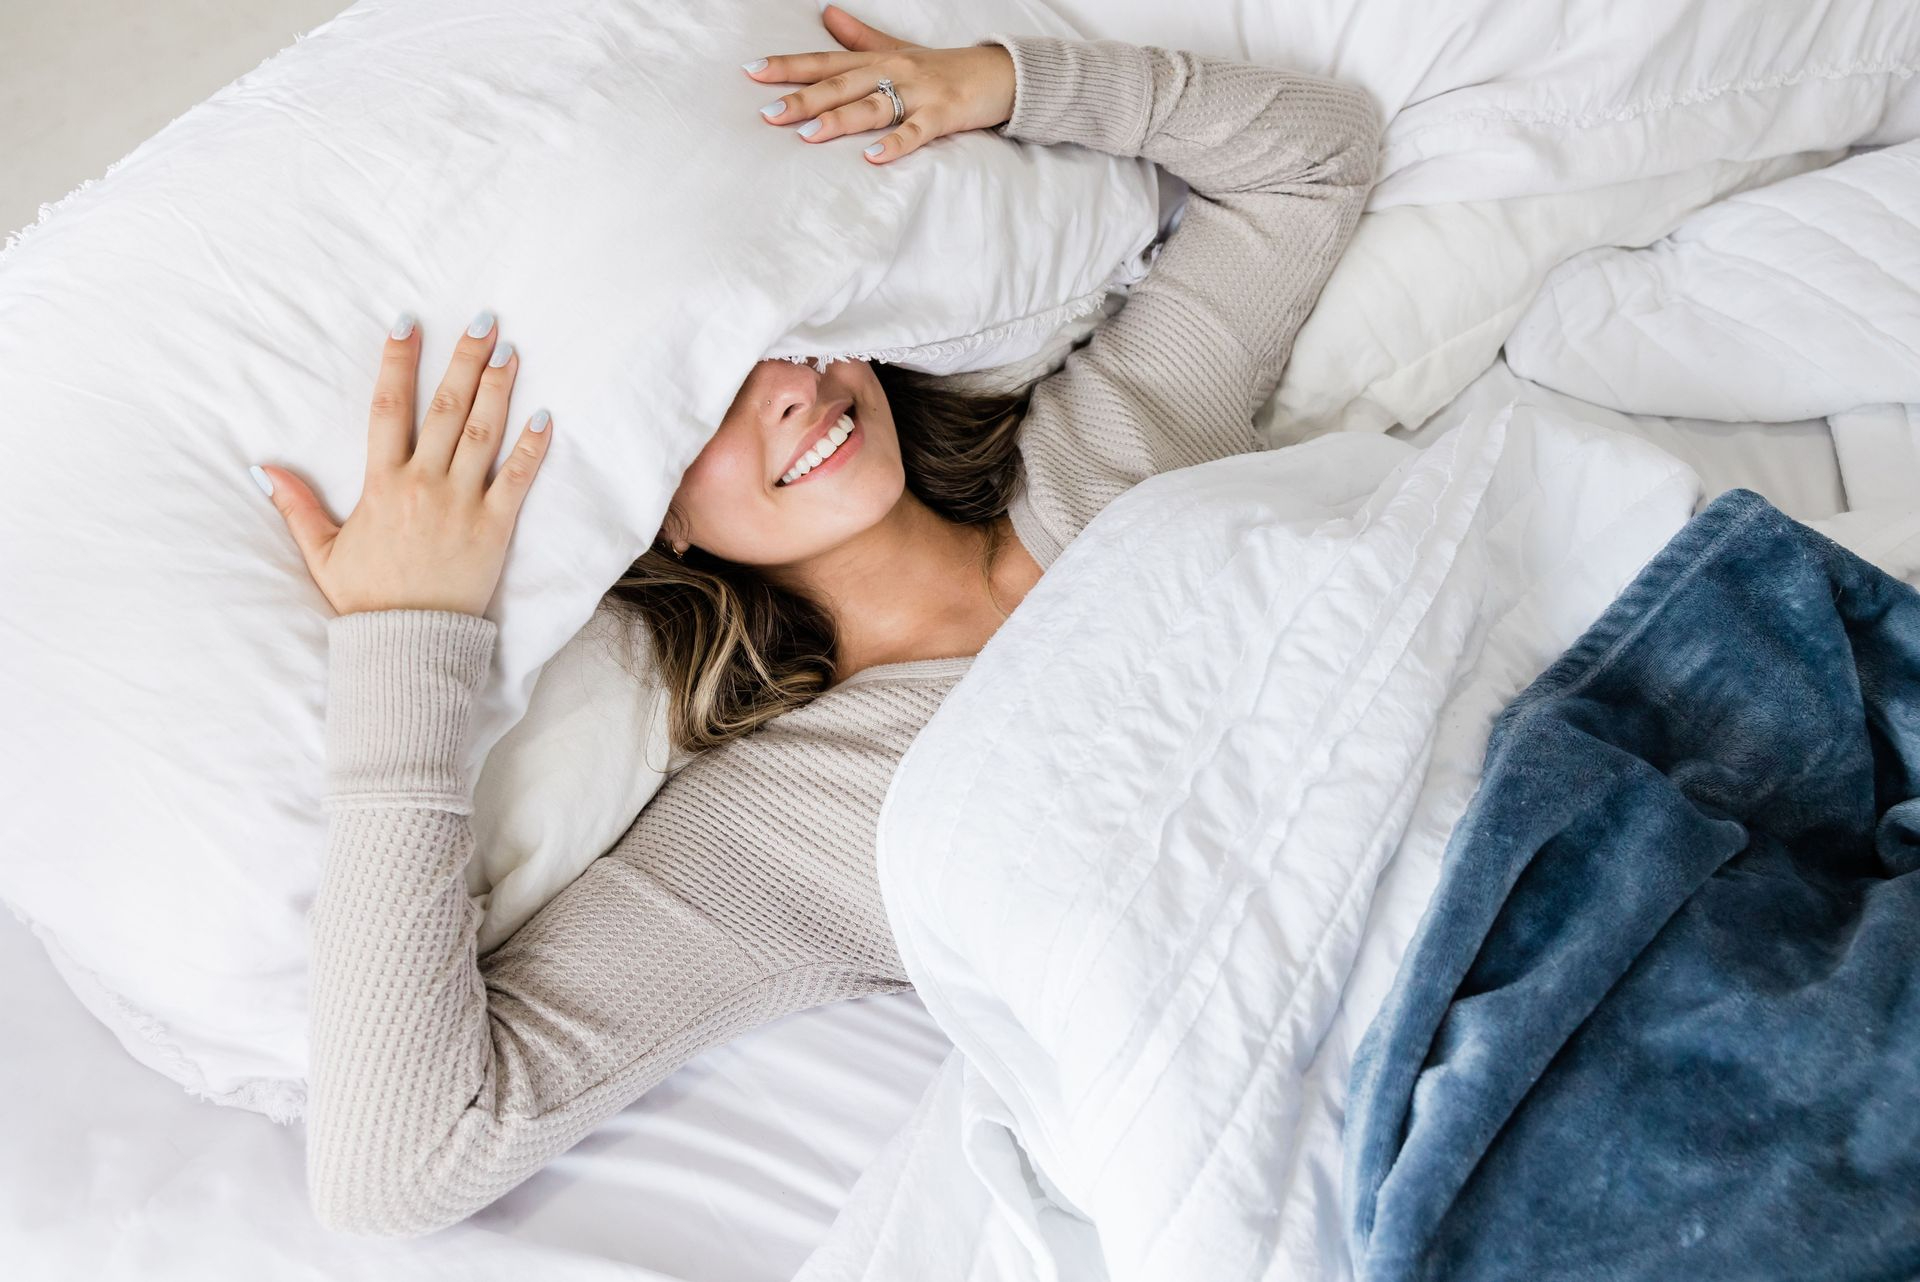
(747, 888)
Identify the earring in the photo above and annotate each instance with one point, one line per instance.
(680, 549)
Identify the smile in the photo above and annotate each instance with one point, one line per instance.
(832, 444)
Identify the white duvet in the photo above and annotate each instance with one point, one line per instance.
(1153, 863)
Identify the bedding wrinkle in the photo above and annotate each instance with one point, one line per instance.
(1166, 651)
(748, 886)
(1662, 102)
(1097, 751)
(1220, 917)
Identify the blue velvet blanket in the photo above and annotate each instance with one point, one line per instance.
(1662, 1017)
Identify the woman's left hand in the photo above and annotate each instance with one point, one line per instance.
(944, 91)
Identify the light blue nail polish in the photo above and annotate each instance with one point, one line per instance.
(773, 109)
(758, 64)
(403, 326)
(261, 479)
(502, 353)
(540, 420)
(809, 129)
(481, 324)
(877, 148)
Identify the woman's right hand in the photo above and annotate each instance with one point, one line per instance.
(430, 532)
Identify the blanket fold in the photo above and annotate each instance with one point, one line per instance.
(1661, 1017)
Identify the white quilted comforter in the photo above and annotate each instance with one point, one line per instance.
(1154, 861)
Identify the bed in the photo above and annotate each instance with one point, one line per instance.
(733, 1170)
(740, 1165)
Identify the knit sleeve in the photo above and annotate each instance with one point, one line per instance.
(1279, 165)
(439, 1080)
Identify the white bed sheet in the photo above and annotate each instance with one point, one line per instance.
(728, 1171)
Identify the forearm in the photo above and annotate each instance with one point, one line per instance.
(1218, 124)
(438, 1082)
(398, 1024)
(1279, 165)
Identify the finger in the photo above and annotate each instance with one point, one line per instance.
(509, 488)
(447, 411)
(312, 529)
(486, 423)
(835, 91)
(807, 68)
(855, 34)
(913, 134)
(875, 111)
(390, 425)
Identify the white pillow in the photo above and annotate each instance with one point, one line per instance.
(596, 172)
(1520, 134)
(1426, 294)
(1795, 301)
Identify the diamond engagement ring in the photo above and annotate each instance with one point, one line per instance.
(899, 111)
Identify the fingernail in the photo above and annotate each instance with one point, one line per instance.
(758, 64)
(773, 109)
(261, 479)
(403, 326)
(481, 324)
(809, 129)
(877, 148)
(501, 355)
(539, 421)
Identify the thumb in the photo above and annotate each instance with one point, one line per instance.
(307, 521)
(855, 34)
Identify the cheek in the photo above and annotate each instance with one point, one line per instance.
(725, 501)
(727, 471)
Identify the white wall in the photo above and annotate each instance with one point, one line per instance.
(84, 82)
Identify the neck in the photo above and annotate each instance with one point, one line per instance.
(909, 587)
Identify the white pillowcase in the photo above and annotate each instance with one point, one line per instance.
(596, 172)
(1520, 134)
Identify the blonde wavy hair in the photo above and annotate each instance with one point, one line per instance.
(735, 650)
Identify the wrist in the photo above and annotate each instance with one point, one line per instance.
(400, 691)
(1097, 93)
(1007, 79)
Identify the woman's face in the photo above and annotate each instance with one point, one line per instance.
(732, 501)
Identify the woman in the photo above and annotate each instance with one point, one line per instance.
(810, 625)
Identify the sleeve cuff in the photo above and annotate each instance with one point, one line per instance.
(1098, 93)
(400, 691)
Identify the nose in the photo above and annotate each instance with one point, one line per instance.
(783, 390)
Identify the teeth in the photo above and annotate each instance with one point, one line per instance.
(819, 453)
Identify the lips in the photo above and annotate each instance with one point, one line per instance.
(816, 433)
